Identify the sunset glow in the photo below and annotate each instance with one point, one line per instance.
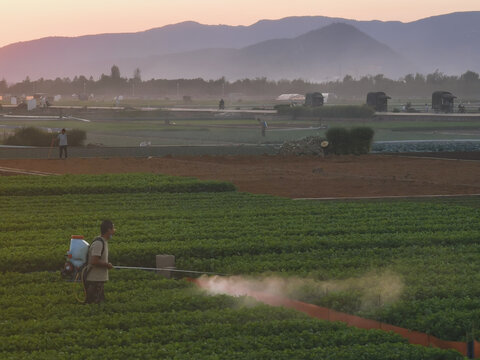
(37, 19)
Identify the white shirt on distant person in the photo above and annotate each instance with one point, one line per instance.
(62, 139)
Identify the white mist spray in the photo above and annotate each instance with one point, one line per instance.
(374, 289)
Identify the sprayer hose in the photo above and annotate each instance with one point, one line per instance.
(78, 277)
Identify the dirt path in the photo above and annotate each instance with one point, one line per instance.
(295, 177)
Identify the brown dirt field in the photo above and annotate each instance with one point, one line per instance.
(295, 177)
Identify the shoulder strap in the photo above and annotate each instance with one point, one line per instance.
(87, 267)
(99, 238)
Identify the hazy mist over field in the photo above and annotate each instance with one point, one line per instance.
(313, 48)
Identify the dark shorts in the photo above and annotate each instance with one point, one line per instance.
(95, 293)
(63, 149)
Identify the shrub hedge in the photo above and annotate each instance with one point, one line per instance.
(357, 140)
(32, 136)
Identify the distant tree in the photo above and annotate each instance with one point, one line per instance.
(436, 78)
(419, 78)
(470, 83)
(466, 86)
(469, 77)
(115, 73)
(3, 85)
(137, 76)
(409, 78)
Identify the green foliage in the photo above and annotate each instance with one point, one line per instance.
(432, 245)
(107, 184)
(32, 136)
(357, 140)
(361, 139)
(76, 137)
(147, 317)
(339, 141)
(333, 111)
(29, 136)
(282, 108)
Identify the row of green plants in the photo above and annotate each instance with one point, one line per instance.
(147, 317)
(106, 184)
(431, 245)
(33, 136)
(196, 225)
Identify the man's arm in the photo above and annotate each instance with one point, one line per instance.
(96, 261)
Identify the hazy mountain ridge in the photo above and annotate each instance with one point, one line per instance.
(316, 55)
(448, 42)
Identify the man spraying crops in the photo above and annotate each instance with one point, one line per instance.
(98, 265)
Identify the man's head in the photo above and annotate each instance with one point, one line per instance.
(107, 229)
(63, 131)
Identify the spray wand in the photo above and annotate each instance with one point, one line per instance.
(167, 269)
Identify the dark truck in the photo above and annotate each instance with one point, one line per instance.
(314, 99)
(443, 101)
(378, 101)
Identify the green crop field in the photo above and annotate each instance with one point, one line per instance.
(429, 248)
(131, 128)
(180, 132)
(150, 318)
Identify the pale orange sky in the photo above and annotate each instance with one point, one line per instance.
(33, 19)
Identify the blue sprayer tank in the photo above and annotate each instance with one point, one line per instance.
(78, 251)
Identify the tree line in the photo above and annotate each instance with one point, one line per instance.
(465, 86)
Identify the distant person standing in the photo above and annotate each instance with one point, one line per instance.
(264, 127)
(427, 108)
(62, 142)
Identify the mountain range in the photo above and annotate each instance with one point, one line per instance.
(313, 48)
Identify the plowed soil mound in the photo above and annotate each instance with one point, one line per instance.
(295, 177)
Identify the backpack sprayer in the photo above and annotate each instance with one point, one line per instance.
(76, 258)
(76, 270)
(76, 265)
